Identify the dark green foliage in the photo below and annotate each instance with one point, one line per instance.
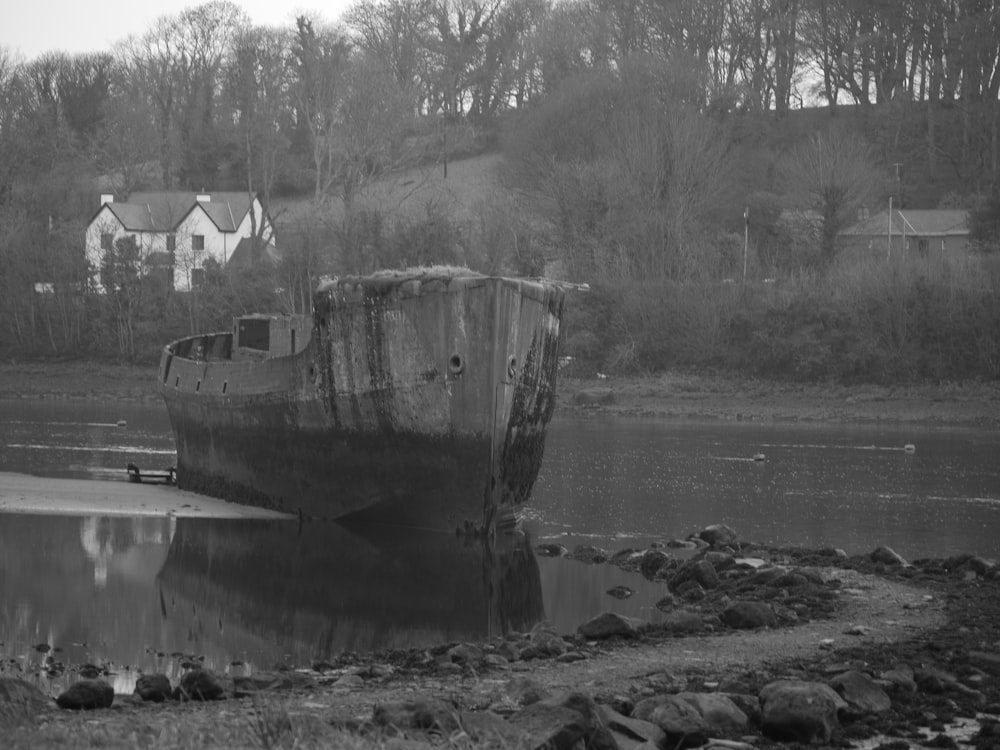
(984, 223)
(917, 320)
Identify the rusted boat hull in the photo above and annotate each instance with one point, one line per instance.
(422, 399)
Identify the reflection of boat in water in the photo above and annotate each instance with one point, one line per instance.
(423, 395)
(317, 589)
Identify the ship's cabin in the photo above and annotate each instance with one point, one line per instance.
(254, 337)
(263, 336)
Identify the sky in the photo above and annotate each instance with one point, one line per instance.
(32, 27)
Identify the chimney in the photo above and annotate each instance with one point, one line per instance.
(107, 198)
(203, 198)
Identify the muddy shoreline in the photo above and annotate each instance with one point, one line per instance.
(926, 634)
(937, 621)
(673, 395)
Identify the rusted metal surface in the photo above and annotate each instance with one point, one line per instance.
(425, 395)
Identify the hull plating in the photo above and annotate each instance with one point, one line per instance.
(418, 398)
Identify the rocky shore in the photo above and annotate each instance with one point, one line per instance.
(758, 648)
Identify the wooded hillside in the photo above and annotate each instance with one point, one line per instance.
(672, 143)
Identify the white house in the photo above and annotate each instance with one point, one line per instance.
(177, 231)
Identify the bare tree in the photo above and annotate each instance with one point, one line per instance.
(833, 173)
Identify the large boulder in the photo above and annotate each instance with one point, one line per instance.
(798, 711)
(420, 713)
(629, 730)
(654, 561)
(749, 615)
(862, 695)
(153, 687)
(564, 722)
(609, 624)
(87, 695)
(588, 553)
(721, 714)
(718, 535)
(681, 721)
(199, 685)
(887, 556)
(701, 572)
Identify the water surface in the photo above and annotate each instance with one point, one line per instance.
(154, 593)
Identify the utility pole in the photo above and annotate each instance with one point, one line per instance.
(746, 240)
(899, 185)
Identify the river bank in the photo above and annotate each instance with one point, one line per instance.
(897, 652)
(669, 395)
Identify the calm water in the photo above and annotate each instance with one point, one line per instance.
(148, 593)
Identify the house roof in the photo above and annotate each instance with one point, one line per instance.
(923, 223)
(163, 211)
(243, 255)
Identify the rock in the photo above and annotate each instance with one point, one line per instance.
(548, 726)
(720, 713)
(680, 720)
(608, 624)
(620, 592)
(767, 575)
(489, 729)
(653, 561)
(886, 556)
(349, 682)
(587, 553)
(87, 695)
(421, 713)
(795, 711)
(153, 687)
(550, 550)
(682, 621)
(634, 729)
(718, 535)
(465, 653)
(690, 591)
(861, 694)
(199, 685)
(545, 643)
(701, 572)
(681, 544)
(749, 615)
(563, 721)
(523, 691)
(721, 561)
(789, 580)
(901, 678)
(665, 603)
(19, 696)
(988, 662)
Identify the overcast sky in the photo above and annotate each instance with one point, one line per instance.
(33, 27)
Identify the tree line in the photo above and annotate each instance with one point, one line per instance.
(675, 142)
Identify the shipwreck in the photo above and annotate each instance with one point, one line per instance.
(419, 397)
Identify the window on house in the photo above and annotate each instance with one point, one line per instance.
(197, 277)
(107, 241)
(923, 245)
(197, 242)
(171, 245)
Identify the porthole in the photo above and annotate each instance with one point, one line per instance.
(225, 385)
(177, 382)
(197, 386)
(456, 364)
(512, 367)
